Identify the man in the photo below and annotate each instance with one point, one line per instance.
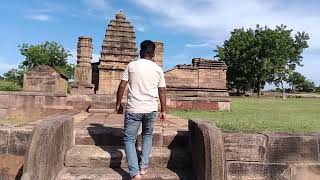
(146, 85)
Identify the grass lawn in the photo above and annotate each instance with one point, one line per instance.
(12, 121)
(295, 115)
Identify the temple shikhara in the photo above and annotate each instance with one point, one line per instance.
(199, 85)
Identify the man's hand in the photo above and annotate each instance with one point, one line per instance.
(161, 118)
(121, 89)
(119, 109)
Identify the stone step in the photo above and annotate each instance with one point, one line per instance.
(84, 173)
(114, 157)
(101, 135)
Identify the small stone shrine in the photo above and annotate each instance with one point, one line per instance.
(43, 78)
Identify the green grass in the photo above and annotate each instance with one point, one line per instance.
(12, 121)
(295, 115)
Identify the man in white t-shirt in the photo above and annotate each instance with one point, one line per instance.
(146, 86)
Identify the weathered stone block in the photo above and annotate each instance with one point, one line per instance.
(175, 138)
(286, 148)
(19, 140)
(50, 141)
(207, 149)
(257, 171)
(245, 147)
(4, 139)
(80, 102)
(10, 167)
(305, 171)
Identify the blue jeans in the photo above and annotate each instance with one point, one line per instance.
(131, 127)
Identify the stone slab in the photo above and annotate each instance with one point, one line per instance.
(173, 137)
(50, 141)
(286, 148)
(4, 139)
(115, 157)
(116, 174)
(257, 171)
(305, 171)
(11, 167)
(19, 140)
(207, 149)
(245, 147)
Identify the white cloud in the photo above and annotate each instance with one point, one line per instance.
(215, 18)
(39, 17)
(140, 28)
(199, 45)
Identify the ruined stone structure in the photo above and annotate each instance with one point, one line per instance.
(45, 79)
(83, 71)
(198, 86)
(158, 54)
(202, 78)
(118, 50)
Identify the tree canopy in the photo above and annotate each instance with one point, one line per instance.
(257, 56)
(47, 53)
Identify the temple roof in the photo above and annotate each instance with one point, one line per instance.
(119, 44)
(200, 63)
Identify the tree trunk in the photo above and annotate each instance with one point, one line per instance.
(283, 91)
(258, 86)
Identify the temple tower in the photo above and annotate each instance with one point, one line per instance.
(83, 71)
(158, 55)
(118, 50)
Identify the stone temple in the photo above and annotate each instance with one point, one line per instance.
(201, 84)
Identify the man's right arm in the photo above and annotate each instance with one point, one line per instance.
(163, 99)
(163, 108)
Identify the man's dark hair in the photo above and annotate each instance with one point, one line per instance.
(147, 48)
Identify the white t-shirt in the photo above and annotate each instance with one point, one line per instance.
(144, 77)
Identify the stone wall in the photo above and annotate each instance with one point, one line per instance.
(266, 156)
(158, 54)
(198, 103)
(272, 156)
(30, 106)
(196, 78)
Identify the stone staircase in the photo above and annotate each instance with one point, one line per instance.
(98, 152)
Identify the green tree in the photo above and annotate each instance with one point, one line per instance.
(260, 55)
(296, 79)
(14, 75)
(307, 86)
(48, 53)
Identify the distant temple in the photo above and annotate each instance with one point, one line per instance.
(201, 79)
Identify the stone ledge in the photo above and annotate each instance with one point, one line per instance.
(255, 170)
(292, 148)
(31, 93)
(245, 147)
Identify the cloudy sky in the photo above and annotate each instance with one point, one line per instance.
(188, 28)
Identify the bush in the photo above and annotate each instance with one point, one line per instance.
(9, 86)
